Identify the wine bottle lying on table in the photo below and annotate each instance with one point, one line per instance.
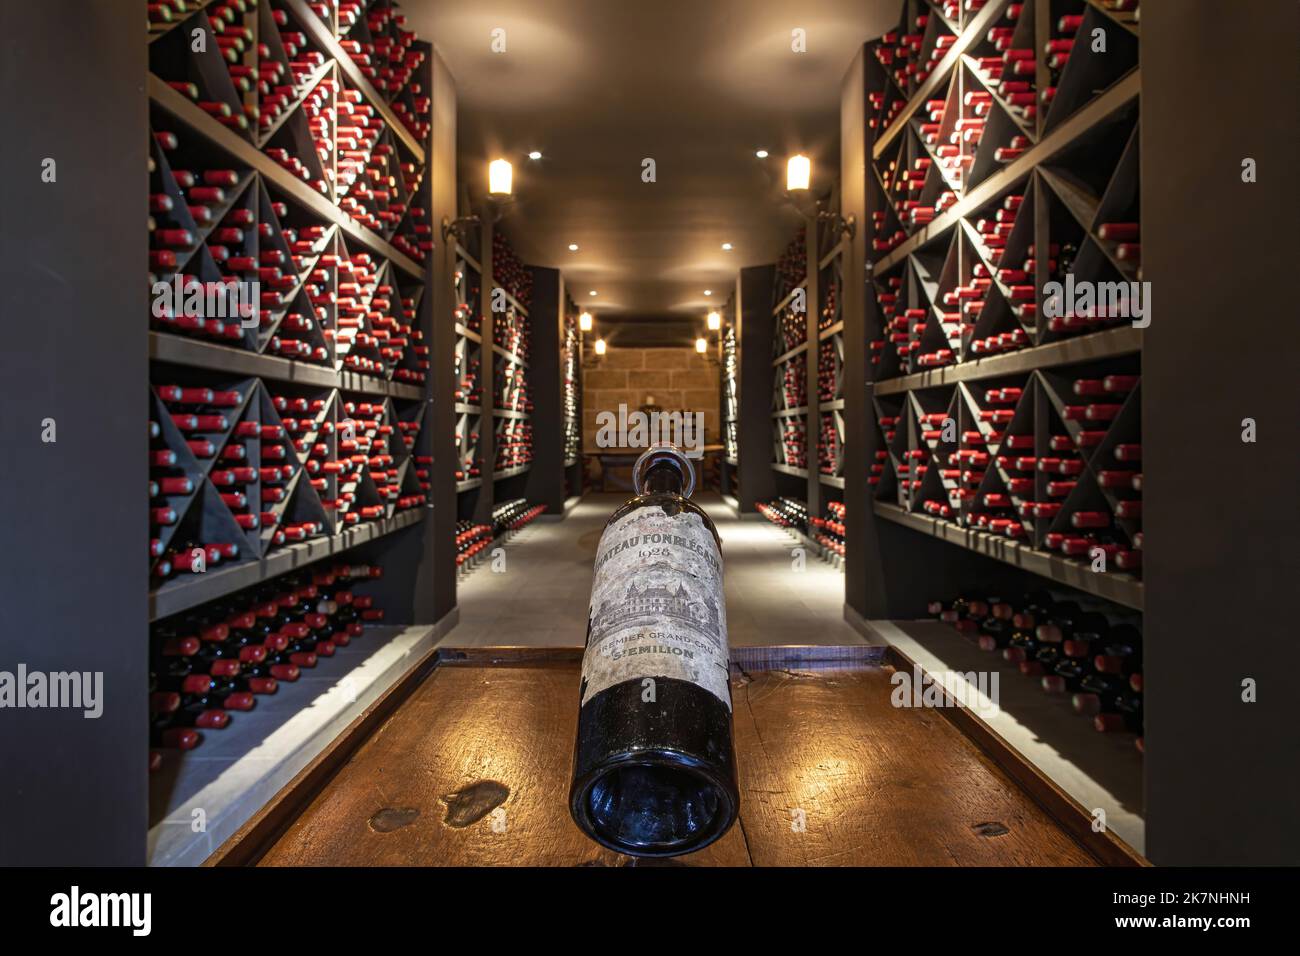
(654, 767)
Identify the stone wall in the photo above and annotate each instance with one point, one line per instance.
(679, 379)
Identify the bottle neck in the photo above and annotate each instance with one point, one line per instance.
(663, 478)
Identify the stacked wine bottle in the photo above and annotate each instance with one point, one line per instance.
(1087, 650)
(219, 658)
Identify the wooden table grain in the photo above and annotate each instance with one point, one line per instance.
(473, 770)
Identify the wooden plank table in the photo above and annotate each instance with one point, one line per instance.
(473, 770)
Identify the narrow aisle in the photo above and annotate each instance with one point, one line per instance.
(540, 597)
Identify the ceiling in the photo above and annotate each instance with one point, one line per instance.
(597, 86)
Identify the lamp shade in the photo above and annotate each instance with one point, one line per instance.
(600, 346)
(701, 346)
(798, 172)
(584, 322)
(715, 321)
(500, 176)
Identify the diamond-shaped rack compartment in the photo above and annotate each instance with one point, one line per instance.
(935, 334)
(885, 300)
(311, 245)
(1087, 53)
(830, 444)
(211, 61)
(999, 315)
(895, 418)
(935, 461)
(887, 228)
(936, 36)
(291, 509)
(1004, 65)
(998, 440)
(288, 69)
(198, 417)
(362, 449)
(1115, 228)
(355, 344)
(468, 461)
(307, 420)
(196, 210)
(397, 301)
(175, 477)
(302, 140)
(467, 312)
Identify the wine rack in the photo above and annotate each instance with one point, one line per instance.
(729, 402)
(291, 335)
(1001, 425)
(288, 229)
(469, 374)
(217, 660)
(571, 387)
(1003, 161)
(512, 405)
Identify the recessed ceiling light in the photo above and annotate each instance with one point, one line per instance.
(708, 292)
(761, 154)
(592, 292)
(534, 155)
(573, 247)
(726, 247)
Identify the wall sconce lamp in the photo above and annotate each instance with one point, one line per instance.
(499, 196)
(585, 322)
(798, 190)
(715, 321)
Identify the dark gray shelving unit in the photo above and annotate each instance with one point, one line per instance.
(1112, 145)
(300, 382)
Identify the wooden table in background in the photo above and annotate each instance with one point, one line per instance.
(616, 465)
(816, 741)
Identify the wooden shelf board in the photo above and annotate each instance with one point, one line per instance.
(463, 409)
(1121, 588)
(830, 330)
(182, 593)
(1051, 741)
(468, 485)
(509, 355)
(510, 472)
(1108, 343)
(835, 481)
(240, 769)
(472, 336)
(507, 413)
(788, 296)
(464, 254)
(790, 354)
(791, 412)
(790, 470)
(178, 349)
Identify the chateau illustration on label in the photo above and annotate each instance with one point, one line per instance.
(668, 597)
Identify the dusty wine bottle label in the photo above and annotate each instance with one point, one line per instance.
(657, 606)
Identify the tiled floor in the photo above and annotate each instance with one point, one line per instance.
(540, 599)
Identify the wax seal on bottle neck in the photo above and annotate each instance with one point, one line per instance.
(668, 453)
